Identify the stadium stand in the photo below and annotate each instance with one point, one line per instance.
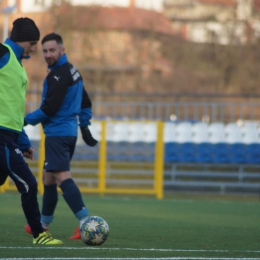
(197, 156)
(184, 142)
(33, 132)
(227, 159)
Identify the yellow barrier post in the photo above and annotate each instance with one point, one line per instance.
(2, 188)
(159, 161)
(102, 160)
(41, 161)
(6, 186)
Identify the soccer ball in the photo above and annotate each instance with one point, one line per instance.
(94, 231)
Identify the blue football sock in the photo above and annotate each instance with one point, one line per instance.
(49, 202)
(72, 196)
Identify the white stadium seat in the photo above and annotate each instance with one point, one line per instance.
(250, 137)
(200, 133)
(150, 132)
(95, 129)
(136, 132)
(169, 132)
(33, 132)
(233, 133)
(121, 132)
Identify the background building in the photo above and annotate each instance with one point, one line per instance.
(150, 50)
(115, 46)
(222, 21)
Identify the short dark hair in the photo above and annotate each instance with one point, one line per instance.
(52, 37)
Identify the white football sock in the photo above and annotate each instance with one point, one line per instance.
(82, 220)
(45, 226)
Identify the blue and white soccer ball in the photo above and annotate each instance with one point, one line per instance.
(94, 231)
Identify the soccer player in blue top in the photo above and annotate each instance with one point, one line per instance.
(64, 102)
(14, 143)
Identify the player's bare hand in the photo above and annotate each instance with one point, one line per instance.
(29, 153)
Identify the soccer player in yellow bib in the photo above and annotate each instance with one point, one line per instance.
(14, 143)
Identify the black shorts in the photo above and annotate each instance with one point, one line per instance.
(58, 152)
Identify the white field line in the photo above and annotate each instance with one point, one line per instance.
(142, 258)
(127, 249)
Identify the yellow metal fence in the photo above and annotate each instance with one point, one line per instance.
(95, 172)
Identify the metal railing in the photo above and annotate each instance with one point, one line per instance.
(182, 111)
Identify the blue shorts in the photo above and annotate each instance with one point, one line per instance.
(58, 152)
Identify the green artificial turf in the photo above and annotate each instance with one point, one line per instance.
(177, 227)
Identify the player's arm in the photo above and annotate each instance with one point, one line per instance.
(24, 145)
(86, 109)
(57, 90)
(56, 93)
(84, 119)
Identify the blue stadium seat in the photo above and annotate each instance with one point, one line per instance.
(149, 151)
(149, 158)
(118, 157)
(203, 152)
(85, 153)
(118, 151)
(220, 153)
(171, 147)
(90, 157)
(138, 158)
(252, 153)
(149, 147)
(171, 152)
(171, 158)
(237, 153)
(142, 151)
(186, 152)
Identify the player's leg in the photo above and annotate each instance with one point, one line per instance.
(71, 194)
(50, 195)
(68, 184)
(49, 200)
(3, 177)
(3, 172)
(12, 163)
(59, 151)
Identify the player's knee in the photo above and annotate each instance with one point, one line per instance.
(32, 188)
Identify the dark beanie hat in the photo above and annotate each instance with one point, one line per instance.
(24, 30)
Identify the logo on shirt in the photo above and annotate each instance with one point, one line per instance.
(57, 78)
(18, 151)
(75, 74)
